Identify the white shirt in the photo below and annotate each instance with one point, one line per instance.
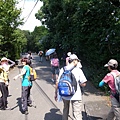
(80, 78)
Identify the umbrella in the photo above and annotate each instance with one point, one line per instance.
(50, 51)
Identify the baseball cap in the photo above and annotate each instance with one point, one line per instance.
(112, 62)
(74, 57)
(4, 59)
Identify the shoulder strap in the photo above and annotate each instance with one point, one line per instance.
(31, 69)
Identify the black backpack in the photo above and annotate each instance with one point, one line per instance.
(67, 85)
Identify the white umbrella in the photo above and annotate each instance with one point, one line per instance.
(50, 51)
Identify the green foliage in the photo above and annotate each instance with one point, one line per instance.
(20, 42)
(35, 39)
(9, 21)
(90, 28)
(38, 35)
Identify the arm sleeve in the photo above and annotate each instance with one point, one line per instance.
(82, 77)
(101, 83)
(12, 62)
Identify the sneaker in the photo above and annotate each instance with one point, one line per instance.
(30, 105)
(26, 113)
(8, 108)
(2, 108)
(5, 108)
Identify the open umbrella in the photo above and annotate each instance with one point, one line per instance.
(50, 51)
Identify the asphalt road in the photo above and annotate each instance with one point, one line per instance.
(42, 94)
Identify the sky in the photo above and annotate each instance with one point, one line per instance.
(27, 6)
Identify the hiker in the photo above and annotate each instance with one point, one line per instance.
(79, 65)
(29, 56)
(76, 98)
(40, 55)
(7, 64)
(109, 79)
(26, 85)
(54, 67)
(3, 83)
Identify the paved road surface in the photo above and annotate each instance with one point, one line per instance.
(42, 95)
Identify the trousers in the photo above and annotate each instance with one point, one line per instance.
(115, 110)
(26, 97)
(76, 109)
(3, 99)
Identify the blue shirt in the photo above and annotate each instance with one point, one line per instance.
(25, 79)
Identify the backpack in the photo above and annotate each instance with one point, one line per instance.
(3, 74)
(33, 74)
(117, 86)
(55, 62)
(67, 84)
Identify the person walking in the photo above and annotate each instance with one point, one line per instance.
(26, 85)
(29, 56)
(109, 79)
(55, 67)
(7, 64)
(3, 82)
(40, 55)
(76, 99)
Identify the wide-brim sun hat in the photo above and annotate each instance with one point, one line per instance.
(112, 63)
(4, 59)
(74, 57)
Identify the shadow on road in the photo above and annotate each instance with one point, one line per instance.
(18, 105)
(95, 118)
(52, 115)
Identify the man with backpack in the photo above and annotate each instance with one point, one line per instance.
(74, 95)
(110, 80)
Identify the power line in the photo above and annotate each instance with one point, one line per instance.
(31, 11)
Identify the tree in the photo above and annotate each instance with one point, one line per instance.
(9, 21)
(38, 36)
(90, 28)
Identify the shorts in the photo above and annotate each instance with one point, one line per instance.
(55, 70)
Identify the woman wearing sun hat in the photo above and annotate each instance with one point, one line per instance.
(6, 66)
(3, 80)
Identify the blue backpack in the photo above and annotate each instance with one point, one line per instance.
(67, 85)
